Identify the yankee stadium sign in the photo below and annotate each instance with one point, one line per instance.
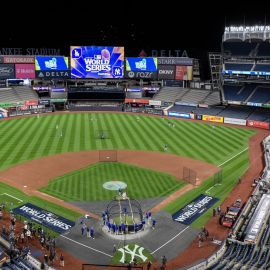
(44, 217)
(194, 209)
(29, 51)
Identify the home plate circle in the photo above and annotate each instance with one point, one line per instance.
(114, 185)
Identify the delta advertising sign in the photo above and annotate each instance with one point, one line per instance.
(97, 62)
(52, 67)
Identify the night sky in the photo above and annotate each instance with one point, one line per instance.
(189, 25)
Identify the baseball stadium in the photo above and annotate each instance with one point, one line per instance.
(111, 161)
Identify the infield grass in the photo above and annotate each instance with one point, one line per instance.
(87, 184)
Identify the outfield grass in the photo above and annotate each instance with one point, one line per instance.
(86, 184)
(31, 137)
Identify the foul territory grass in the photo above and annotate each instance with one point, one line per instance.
(231, 171)
(87, 184)
(14, 202)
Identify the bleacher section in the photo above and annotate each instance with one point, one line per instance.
(262, 67)
(238, 92)
(17, 94)
(170, 94)
(238, 48)
(261, 95)
(195, 96)
(238, 66)
(246, 49)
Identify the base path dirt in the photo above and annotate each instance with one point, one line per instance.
(34, 174)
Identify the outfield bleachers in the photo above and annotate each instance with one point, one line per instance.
(170, 94)
(17, 94)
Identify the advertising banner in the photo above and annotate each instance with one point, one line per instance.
(194, 209)
(31, 102)
(166, 72)
(97, 62)
(51, 63)
(199, 116)
(53, 74)
(155, 102)
(7, 71)
(254, 104)
(212, 118)
(176, 61)
(183, 73)
(257, 124)
(141, 101)
(185, 103)
(41, 88)
(48, 219)
(141, 64)
(44, 101)
(141, 75)
(25, 71)
(19, 59)
(58, 90)
(181, 115)
(235, 121)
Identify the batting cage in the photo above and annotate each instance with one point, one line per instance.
(102, 134)
(105, 267)
(189, 175)
(108, 156)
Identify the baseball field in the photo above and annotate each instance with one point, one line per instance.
(30, 138)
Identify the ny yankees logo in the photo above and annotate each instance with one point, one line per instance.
(132, 253)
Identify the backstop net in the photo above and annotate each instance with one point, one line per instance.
(189, 175)
(108, 156)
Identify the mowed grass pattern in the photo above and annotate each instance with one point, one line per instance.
(32, 137)
(87, 184)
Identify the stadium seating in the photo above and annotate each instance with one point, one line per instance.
(17, 94)
(238, 92)
(261, 95)
(238, 48)
(262, 67)
(238, 66)
(170, 94)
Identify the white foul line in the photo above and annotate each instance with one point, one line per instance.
(169, 240)
(12, 197)
(208, 190)
(233, 157)
(78, 243)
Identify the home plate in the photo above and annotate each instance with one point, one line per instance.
(24, 186)
(107, 157)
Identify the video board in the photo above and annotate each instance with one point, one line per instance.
(97, 62)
